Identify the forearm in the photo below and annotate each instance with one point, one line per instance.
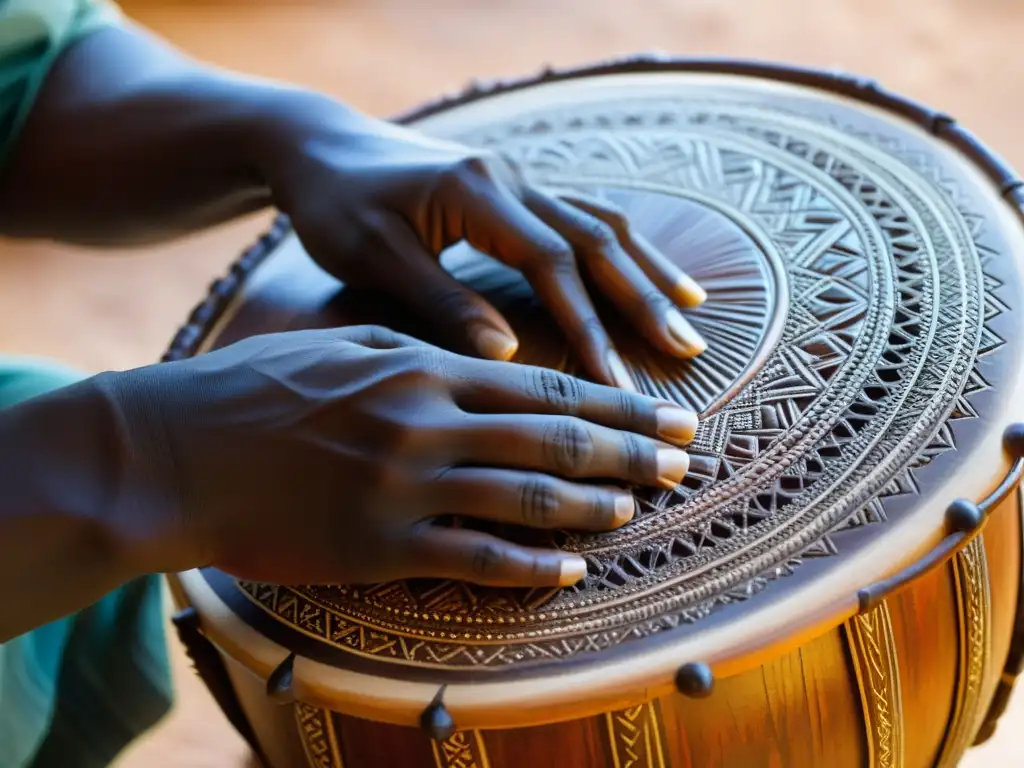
(65, 541)
(132, 141)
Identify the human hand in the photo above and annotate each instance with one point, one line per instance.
(326, 456)
(375, 205)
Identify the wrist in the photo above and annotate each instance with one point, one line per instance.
(282, 131)
(62, 473)
(145, 512)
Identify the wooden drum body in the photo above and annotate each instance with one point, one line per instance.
(835, 584)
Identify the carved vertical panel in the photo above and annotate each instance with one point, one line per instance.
(463, 749)
(873, 650)
(634, 737)
(318, 737)
(974, 614)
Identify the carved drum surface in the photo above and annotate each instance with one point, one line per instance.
(836, 583)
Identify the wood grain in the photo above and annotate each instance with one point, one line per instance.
(928, 670)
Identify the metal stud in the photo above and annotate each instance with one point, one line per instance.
(695, 680)
(436, 720)
(279, 684)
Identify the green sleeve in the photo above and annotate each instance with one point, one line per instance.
(33, 33)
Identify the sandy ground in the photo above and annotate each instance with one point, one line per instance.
(114, 311)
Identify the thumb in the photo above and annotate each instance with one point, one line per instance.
(462, 317)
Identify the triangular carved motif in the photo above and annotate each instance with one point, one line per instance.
(823, 547)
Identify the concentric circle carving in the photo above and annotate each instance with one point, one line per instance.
(847, 315)
(741, 270)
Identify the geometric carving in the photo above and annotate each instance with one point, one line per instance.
(848, 320)
(974, 618)
(873, 651)
(316, 729)
(463, 749)
(634, 737)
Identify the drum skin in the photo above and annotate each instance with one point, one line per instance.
(895, 655)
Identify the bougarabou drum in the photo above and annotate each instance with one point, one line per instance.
(835, 583)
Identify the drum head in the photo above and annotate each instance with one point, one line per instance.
(863, 274)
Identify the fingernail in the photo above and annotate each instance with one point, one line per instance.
(619, 373)
(689, 291)
(675, 424)
(684, 334)
(493, 343)
(624, 509)
(672, 467)
(571, 571)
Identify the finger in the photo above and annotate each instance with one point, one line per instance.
(620, 277)
(532, 499)
(454, 553)
(568, 447)
(485, 388)
(669, 278)
(498, 224)
(464, 318)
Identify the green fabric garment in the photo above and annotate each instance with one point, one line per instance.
(75, 693)
(32, 35)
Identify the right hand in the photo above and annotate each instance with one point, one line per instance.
(324, 456)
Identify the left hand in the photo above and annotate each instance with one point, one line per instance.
(375, 204)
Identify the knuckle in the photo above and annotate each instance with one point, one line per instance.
(417, 369)
(602, 510)
(560, 392)
(369, 335)
(653, 302)
(430, 363)
(637, 458)
(557, 257)
(487, 560)
(614, 217)
(539, 503)
(626, 406)
(569, 445)
(598, 234)
(473, 166)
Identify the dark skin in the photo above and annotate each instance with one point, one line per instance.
(358, 437)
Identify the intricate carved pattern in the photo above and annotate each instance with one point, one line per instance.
(873, 650)
(742, 272)
(974, 609)
(888, 300)
(463, 749)
(318, 739)
(634, 737)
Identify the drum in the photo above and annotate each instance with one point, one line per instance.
(837, 581)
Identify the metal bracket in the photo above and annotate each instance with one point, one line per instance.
(964, 521)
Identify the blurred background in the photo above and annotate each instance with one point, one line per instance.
(102, 311)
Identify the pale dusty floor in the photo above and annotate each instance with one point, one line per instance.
(113, 312)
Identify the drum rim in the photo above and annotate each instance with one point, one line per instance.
(228, 631)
